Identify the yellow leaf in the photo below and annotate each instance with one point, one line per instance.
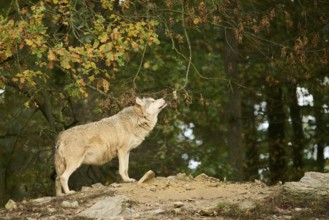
(91, 78)
(105, 86)
(196, 21)
(29, 42)
(103, 37)
(146, 65)
(65, 63)
(51, 55)
(26, 104)
(21, 80)
(134, 44)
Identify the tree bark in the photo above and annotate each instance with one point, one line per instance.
(320, 130)
(276, 131)
(250, 139)
(298, 134)
(2, 186)
(233, 108)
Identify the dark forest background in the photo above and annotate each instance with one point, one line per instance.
(247, 83)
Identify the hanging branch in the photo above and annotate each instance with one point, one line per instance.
(139, 68)
(189, 48)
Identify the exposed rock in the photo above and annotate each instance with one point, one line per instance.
(97, 185)
(67, 204)
(116, 185)
(204, 177)
(153, 188)
(147, 176)
(313, 185)
(162, 178)
(42, 200)
(177, 210)
(85, 188)
(178, 204)
(51, 209)
(260, 183)
(170, 178)
(184, 177)
(158, 211)
(208, 212)
(11, 205)
(108, 208)
(201, 176)
(181, 177)
(188, 187)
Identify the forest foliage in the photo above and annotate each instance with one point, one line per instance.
(235, 74)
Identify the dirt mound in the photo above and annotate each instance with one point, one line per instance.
(173, 197)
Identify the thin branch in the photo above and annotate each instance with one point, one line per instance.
(185, 58)
(96, 89)
(189, 48)
(15, 145)
(140, 66)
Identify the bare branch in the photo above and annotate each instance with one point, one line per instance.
(189, 49)
(140, 66)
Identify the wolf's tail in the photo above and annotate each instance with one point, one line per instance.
(60, 164)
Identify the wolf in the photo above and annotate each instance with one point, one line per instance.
(98, 142)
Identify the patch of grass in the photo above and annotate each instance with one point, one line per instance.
(304, 207)
(301, 208)
(233, 210)
(298, 208)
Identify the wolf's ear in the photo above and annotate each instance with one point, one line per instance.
(139, 101)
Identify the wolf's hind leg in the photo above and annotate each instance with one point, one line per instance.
(58, 186)
(64, 178)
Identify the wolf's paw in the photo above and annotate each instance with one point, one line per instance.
(70, 192)
(129, 180)
(60, 194)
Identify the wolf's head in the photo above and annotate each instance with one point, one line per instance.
(151, 107)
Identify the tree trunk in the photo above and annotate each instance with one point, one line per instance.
(233, 108)
(319, 132)
(298, 134)
(2, 186)
(276, 131)
(250, 139)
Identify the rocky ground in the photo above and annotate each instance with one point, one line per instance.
(183, 197)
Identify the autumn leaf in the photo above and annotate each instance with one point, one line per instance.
(103, 37)
(134, 44)
(22, 80)
(82, 83)
(146, 65)
(105, 86)
(27, 104)
(196, 21)
(29, 42)
(8, 53)
(51, 55)
(65, 63)
(50, 64)
(91, 78)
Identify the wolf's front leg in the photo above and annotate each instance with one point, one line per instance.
(123, 166)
